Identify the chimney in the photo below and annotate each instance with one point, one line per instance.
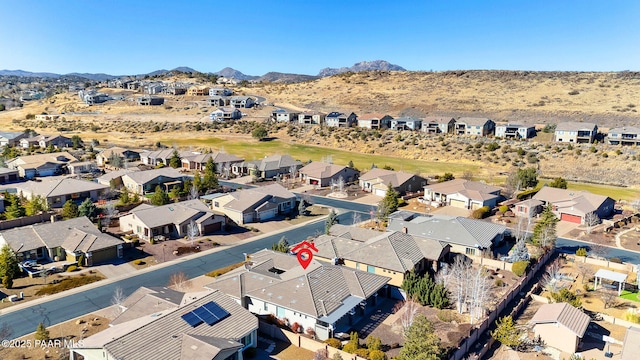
(405, 230)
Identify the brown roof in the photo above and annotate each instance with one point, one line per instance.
(396, 178)
(564, 314)
(581, 202)
(321, 170)
(472, 189)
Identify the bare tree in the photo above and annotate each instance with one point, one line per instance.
(321, 354)
(590, 221)
(192, 232)
(293, 169)
(116, 300)
(598, 249)
(550, 280)
(193, 192)
(467, 175)
(340, 184)
(470, 288)
(410, 310)
(179, 281)
(356, 218)
(585, 270)
(109, 213)
(609, 297)
(636, 205)
(480, 294)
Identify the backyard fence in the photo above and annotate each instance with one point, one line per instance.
(26, 220)
(603, 263)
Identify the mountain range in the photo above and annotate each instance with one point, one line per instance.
(226, 72)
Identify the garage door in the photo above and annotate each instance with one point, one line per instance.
(458, 203)
(571, 218)
(381, 192)
(475, 206)
(211, 228)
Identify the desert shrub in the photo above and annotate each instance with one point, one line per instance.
(520, 267)
(401, 202)
(66, 284)
(350, 347)
(632, 317)
(480, 213)
(527, 193)
(446, 316)
(362, 353)
(615, 260)
(499, 282)
(333, 342)
(503, 209)
(574, 92)
(72, 268)
(224, 270)
(581, 252)
(377, 355)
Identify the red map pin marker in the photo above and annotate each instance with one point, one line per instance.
(304, 254)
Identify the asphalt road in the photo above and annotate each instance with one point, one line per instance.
(55, 311)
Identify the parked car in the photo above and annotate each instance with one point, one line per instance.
(29, 263)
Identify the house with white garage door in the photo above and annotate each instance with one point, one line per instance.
(462, 193)
(255, 204)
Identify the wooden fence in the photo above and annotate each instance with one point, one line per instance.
(26, 220)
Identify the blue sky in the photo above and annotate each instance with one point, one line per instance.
(304, 36)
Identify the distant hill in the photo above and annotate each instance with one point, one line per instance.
(277, 77)
(28, 74)
(362, 66)
(95, 77)
(234, 74)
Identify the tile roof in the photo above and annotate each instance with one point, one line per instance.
(579, 202)
(625, 130)
(321, 170)
(353, 232)
(116, 174)
(107, 153)
(248, 199)
(473, 121)
(218, 158)
(58, 158)
(148, 300)
(59, 187)
(195, 347)
(564, 314)
(79, 240)
(142, 177)
(275, 162)
(10, 135)
(162, 337)
(174, 213)
(438, 119)
(396, 178)
(373, 116)
(575, 126)
(474, 190)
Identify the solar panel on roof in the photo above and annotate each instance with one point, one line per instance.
(216, 310)
(191, 319)
(205, 315)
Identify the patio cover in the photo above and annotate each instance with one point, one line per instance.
(620, 278)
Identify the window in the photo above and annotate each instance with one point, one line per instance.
(280, 312)
(470, 251)
(357, 266)
(266, 307)
(371, 269)
(138, 229)
(216, 204)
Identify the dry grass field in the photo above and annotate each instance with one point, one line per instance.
(608, 99)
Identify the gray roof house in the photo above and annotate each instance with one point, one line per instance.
(515, 131)
(58, 191)
(326, 298)
(225, 113)
(11, 138)
(438, 124)
(63, 240)
(374, 121)
(172, 220)
(466, 236)
(8, 175)
(177, 332)
(199, 161)
(626, 135)
(104, 156)
(284, 115)
(474, 126)
(406, 123)
(338, 119)
(255, 204)
(576, 132)
(376, 181)
(319, 173)
(163, 156)
(311, 118)
(242, 102)
(268, 167)
(461, 193)
(143, 182)
(29, 166)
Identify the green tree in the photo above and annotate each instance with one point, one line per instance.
(565, 295)
(421, 341)
(210, 180)
(353, 345)
(506, 332)
(389, 203)
(260, 133)
(332, 219)
(51, 148)
(116, 160)
(544, 233)
(559, 183)
(87, 208)
(373, 343)
(175, 193)
(69, 210)
(446, 177)
(15, 208)
(42, 333)
(9, 268)
(175, 160)
(76, 142)
(527, 178)
(124, 196)
(159, 197)
(281, 246)
(350, 165)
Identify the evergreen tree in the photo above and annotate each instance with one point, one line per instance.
(76, 142)
(389, 203)
(350, 165)
(260, 133)
(281, 246)
(506, 332)
(544, 233)
(42, 333)
(51, 148)
(116, 160)
(559, 183)
(197, 181)
(69, 210)
(87, 208)
(210, 180)
(15, 209)
(302, 207)
(9, 268)
(332, 219)
(421, 342)
(124, 196)
(175, 193)
(175, 160)
(36, 205)
(446, 177)
(159, 197)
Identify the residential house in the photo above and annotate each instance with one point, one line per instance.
(376, 181)
(149, 100)
(11, 138)
(574, 206)
(220, 92)
(438, 124)
(8, 175)
(154, 88)
(466, 236)
(560, 326)
(631, 344)
(218, 101)
(392, 253)
(311, 118)
(225, 113)
(284, 115)
(338, 119)
(92, 97)
(81, 167)
(462, 193)
(576, 132)
(171, 325)
(528, 208)
(47, 117)
(374, 121)
(514, 131)
(269, 167)
(474, 126)
(114, 178)
(255, 204)
(198, 162)
(406, 123)
(198, 90)
(145, 182)
(242, 102)
(43, 141)
(126, 155)
(133, 85)
(175, 89)
(172, 220)
(63, 240)
(58, 191)
(49, 164)
(163, 156)
(626, 135)
(326, 298)
(321, 174)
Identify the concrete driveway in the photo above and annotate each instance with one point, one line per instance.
(451, 211)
